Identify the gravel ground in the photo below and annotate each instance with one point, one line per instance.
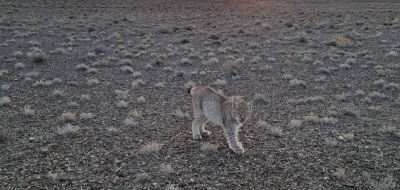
(94, 94)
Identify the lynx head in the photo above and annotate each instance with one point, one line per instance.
(242, 109)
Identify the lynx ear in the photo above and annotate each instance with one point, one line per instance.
(250, 105)
(235, 102)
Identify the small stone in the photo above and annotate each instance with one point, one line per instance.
(31, 139)
(341, 138)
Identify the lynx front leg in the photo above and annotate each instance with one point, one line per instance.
(231, 134)
(203, 131)
(197, 125)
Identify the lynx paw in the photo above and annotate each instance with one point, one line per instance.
(197, 137)
(238, 151)
(206, 133)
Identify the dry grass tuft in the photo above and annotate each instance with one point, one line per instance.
(180, 114)
(142, 177)
(209, 148)
(86, 116)
(28, 111)
(19, 66)
(5, 87)
(220, 82)
(387, 129)
(138, 83)
(122, 94)
(112, 129)
(340, 174)
(67, 129)
(151, 148)
(316, 119)
(37, 56)
(232, 65)
(297, 83)
(82, 67)
(92, 82)
(68, 116)
(348, 136)
(127, 69)
(122, 104)
(171, 187)
(341, 41)
(295, 123)
(18, 54)
(135, 114)
(392, 53)
(387, 183)
(58, 93)
(276, 131)
(141, 99)
(166, 168)
(5, 100)
(129, 122)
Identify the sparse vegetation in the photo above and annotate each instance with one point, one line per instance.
(67, 129)
(208, 148)
(28, 111)
(37, 56)
(5, 100)
(68, 116)
(340, 174)
(150, 148)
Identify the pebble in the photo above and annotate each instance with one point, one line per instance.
(32, 139)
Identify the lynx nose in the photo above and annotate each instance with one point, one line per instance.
(241, 120)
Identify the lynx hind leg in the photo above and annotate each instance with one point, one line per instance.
(203, 131)
(197, 123)
(231, 135)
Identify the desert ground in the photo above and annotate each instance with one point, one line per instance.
(94, 93)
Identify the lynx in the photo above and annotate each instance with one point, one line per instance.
(231, 114)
